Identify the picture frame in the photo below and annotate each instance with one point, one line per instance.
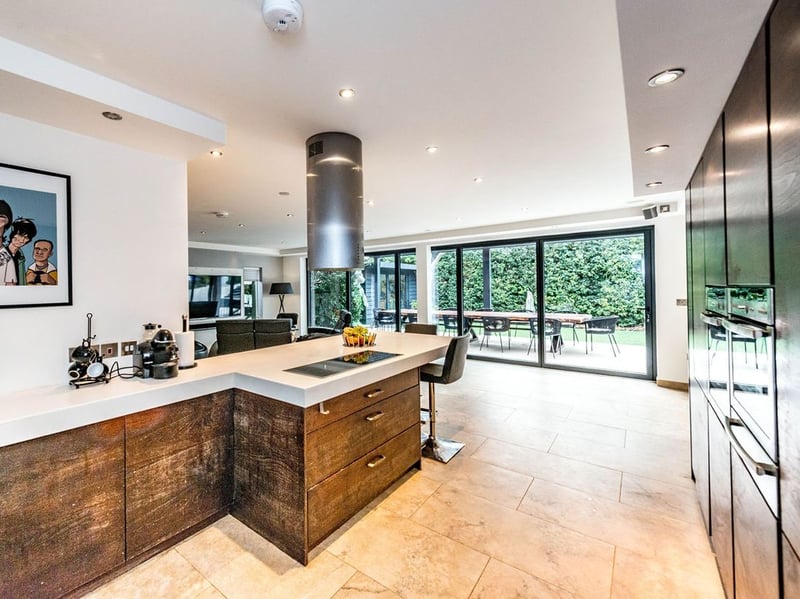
(35, 238)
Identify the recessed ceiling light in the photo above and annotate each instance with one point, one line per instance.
(215, 153)
(112, 116)
(657, 149)
(432, 149)
(202, 232)
(665, 77)
(370, 202)
(222, 214)
(289, 215)
(242, 225)
(347, 92)
(654, 184)
(283, 193)
(478, 179)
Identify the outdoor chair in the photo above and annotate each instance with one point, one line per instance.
(552, 331)
(566, 325)
(602, 325)
(450, 322)
(384, 319)
(495, 325)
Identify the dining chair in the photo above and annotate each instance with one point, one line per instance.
(293, 316)
(443, 450)
(421, 328)
(601, 325)
(566, 324)
(552, 331)
(495, 325)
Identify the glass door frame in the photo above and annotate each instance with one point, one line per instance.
(647, 232)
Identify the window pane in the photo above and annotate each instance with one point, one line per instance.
(328, 296)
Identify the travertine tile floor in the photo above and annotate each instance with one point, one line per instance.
(571, 485)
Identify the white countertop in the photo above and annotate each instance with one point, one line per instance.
(41, 411)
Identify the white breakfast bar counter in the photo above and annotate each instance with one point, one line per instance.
(97, 479)
(41, 411)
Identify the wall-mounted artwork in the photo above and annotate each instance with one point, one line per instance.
(35, 267)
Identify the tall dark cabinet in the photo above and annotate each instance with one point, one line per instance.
(743, 230)
(785, 133)
(747, 173)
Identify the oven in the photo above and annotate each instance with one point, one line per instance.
(741, 385)
(716, 366)
(751, 331)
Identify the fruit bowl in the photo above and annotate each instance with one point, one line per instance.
(358, 337)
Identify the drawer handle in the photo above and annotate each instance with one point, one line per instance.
(761, 468)
(322, 409)
(374, 417)
(375, 461)
(375, 393)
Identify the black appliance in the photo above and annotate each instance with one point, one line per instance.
(741, 342)
(157, 357)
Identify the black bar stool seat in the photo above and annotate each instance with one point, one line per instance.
(442, 450)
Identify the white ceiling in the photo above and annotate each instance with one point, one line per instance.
(546, 100)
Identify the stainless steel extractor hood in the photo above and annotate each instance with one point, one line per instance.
(334, 202)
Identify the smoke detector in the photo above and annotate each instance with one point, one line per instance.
(282, 15)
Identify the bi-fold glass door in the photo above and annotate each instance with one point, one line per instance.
(596, 290)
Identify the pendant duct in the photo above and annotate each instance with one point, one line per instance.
(334, 202)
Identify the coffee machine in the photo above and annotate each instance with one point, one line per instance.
(156, 356)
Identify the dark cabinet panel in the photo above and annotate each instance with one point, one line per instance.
(720, 487)
(698, 407)
(747, 173)
(791, 571)
(785, 134)
(714, 207)
(62, 520)
(755, 538)
(179, 468)
(698, 353)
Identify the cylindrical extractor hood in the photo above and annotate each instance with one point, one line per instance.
(335, 202)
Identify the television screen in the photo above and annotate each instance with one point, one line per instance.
(215, 296)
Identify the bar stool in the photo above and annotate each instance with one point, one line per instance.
(442, 450)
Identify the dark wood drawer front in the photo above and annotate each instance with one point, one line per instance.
(344, 405)
(170, 495)
(156, 433)
(333, 447)
(336, 499)
(61, 510)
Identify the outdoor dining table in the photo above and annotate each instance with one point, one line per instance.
(568, 317)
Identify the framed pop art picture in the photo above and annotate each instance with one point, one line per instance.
(35, 268)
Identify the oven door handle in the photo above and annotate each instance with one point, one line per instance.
(714, 321)
(761, 468)
(747, 330)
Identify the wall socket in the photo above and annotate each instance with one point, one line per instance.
(109, 350)
(128, 347)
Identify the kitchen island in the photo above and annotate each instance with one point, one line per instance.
(95, 480)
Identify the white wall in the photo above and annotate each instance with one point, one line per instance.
(129, 257)
(671, 327)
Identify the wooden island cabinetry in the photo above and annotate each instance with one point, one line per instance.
(62, 510)
(302, 472)
(83, 505)
(177, 468)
